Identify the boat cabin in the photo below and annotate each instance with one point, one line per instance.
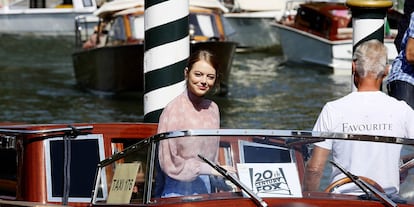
(329, 20)
(333, 20)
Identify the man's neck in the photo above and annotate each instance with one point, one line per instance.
(369, 84)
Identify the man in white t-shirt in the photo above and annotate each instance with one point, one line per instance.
(366, 111)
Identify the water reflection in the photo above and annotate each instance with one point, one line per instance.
(38, 86)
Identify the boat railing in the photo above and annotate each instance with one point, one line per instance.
(8, 135)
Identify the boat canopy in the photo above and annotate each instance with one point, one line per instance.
(115, 6)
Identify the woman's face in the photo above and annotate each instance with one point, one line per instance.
(201, 78)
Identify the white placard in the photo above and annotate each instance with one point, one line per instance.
(123, 183)
(271, 179)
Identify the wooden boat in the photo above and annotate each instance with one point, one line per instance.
(329, 42)
(101, 164)
(33, 156)
(42, 18)
(254, 17)
(115, 65)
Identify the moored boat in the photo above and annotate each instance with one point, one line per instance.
(42, 18)
(115, 64)
(324, 32)
(254, 17)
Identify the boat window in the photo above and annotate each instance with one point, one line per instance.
(118, 28)
(203, 25)
(80, 156)
(87, 3)
(225, 154)
(126, 169)
(8, 170)
(125, 172)
(252, 152)
(311, 19)
(247, 152)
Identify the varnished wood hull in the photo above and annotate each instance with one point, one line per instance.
(31, 188)
(30, 184)
(309, 200)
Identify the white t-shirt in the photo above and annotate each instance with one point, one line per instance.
(372, 113)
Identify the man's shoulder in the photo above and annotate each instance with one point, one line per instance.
(356, 97)
(344, 99)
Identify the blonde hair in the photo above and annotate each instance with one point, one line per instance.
(370, 58)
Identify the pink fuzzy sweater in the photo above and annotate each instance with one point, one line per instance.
(178, 157)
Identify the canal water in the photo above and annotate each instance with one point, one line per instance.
(37, 85)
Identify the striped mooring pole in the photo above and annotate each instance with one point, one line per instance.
(167, 48)
(368, 20)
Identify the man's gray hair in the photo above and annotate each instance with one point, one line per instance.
(371, 58)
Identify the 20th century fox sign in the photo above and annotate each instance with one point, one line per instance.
(271, 179)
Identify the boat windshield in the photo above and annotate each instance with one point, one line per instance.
(203, 24)
(203, 165)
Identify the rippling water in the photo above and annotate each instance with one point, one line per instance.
(38, 86)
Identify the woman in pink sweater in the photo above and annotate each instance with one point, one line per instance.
(184, 173)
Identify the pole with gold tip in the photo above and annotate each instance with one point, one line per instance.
(368, 20)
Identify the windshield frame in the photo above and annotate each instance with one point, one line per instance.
(286, 138)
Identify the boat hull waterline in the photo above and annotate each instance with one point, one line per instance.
(55, 22)
(335, 56)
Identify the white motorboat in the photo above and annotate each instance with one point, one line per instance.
(248, 17)
(305, 40)
(42, 18)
